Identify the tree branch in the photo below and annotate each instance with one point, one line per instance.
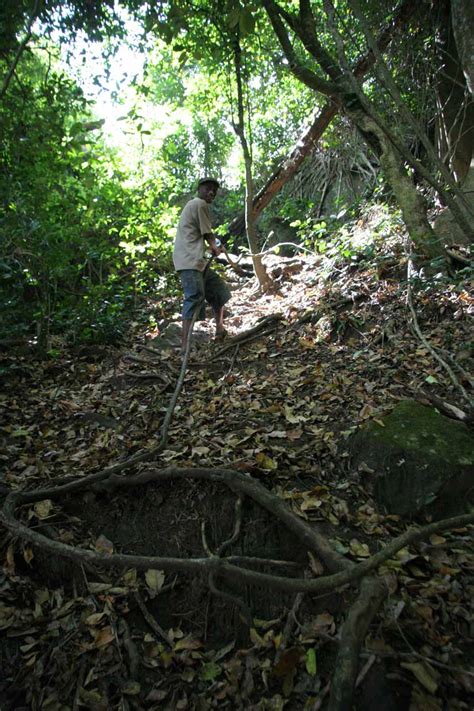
(311, 136)
(20, 50)
(302, 73)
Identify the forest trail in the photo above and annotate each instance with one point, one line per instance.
(282, 408)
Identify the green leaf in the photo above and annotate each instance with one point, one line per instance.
(246, 22)
(210, 671)
(233, 17)
(154, 580)
(311, 663)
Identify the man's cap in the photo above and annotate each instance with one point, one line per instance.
(208, 180)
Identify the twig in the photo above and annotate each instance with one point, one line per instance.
(212, 575)
(449, 410)
(130, 648)
(422, 657)
(21, 49)
(242, 341)
(237, 525)
(289, 626)
(234, 358)
(204, 542)
(262, 325)
(365, 670)
(467, 376)
(150, 620)
(80, 681)
(283, 244)
(131, 358)
(252, 560)
(154, 351)
(265, 326)
(319, 701)
(150, 376)
(459, 257)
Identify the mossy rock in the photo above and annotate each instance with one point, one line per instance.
(421, 461)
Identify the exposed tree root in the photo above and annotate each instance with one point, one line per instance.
(416, 327)
(289, 627)
(130, 648)
(373, 589)
(373, 592)
(348, 572)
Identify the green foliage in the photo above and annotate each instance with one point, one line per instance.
(77, 246)
(352, 233)
(86, 232)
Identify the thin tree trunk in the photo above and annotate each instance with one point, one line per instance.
(262, 276)
(358, 108)
(393, 152)
(289, 167)
(410, 201)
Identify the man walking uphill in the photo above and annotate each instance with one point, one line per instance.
(198, 281)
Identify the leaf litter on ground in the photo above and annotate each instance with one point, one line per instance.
(281, 408)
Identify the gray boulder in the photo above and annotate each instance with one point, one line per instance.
(420, 460)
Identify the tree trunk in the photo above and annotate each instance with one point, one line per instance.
(455, 116)
(410, 201)
(308, 140)
(462, 13)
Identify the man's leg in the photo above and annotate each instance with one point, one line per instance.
(193, 288)
(219, 317)
(217, 294)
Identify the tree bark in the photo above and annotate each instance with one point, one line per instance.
(462, 12)
(373, 592)
(410, 201)
(289, 167)
(359, 109)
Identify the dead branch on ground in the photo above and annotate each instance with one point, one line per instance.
(262, 328)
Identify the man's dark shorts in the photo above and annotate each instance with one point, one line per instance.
(197, 285)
